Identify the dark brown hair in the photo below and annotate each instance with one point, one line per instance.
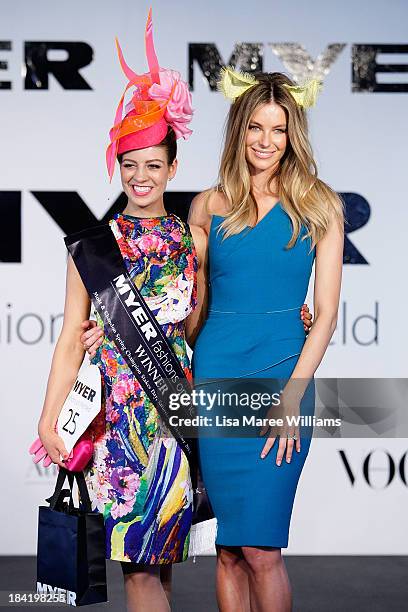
(169, 142)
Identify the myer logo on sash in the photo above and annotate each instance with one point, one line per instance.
(81, 406)
(149, 333)
(139, 314)
(129, 322)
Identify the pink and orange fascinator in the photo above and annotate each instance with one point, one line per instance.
(160, 99)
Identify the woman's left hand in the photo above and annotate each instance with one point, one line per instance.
(289, 434)
(306, 317)
(92, 337)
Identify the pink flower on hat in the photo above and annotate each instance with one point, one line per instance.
(179, 111)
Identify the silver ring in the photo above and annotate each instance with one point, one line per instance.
(291, 437)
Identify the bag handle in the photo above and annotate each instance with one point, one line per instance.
(59, 493)
(83, 491)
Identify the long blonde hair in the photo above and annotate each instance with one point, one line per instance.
(307, 200)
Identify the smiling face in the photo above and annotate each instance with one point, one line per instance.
(266, 138)
(144, 174)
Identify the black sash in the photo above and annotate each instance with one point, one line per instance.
(130, 324)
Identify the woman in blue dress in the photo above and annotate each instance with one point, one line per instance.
(268, 220)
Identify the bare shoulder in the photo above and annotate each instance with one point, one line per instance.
(204, 205)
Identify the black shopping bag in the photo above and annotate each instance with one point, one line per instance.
(71, 546)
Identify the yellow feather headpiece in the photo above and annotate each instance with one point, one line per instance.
(305, 95)
(234, 83)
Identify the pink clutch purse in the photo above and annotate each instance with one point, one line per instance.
(78, 458)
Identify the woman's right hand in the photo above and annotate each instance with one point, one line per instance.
(91, 339)
(53, 444)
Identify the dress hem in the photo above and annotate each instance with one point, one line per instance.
(253, 543)
(162, 562)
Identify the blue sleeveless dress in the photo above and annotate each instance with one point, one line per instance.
(253, 330)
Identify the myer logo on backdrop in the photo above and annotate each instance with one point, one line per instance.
(300, 64)
(72, 214)
(64, 60)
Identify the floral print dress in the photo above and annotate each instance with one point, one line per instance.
(139, 477)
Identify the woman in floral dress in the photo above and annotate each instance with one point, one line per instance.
(139, 476)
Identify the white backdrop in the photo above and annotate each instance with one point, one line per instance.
(55, 140)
